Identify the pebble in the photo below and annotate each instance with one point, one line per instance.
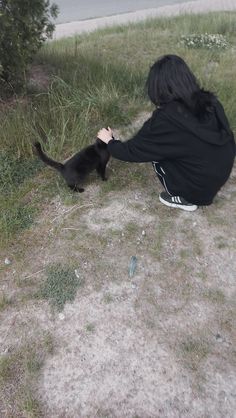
(5, 351)
(219, 338)
(61, 316)
(7, 261)
(77, 273)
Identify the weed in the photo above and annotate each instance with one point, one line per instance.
(222, 245)
(48, 343)
(60, 285)
(33, 363)
(214, 296)
(194, 351)
(108, 298)
(185, 253)
(221, 242)
(131, 228)
(6, 368)
(4, 301)
(162, 230)
(30, 405)
(202, 275)
(216, 219)
(90, 327)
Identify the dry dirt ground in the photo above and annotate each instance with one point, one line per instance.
(158, 345)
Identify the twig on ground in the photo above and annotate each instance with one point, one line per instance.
(71, 210)
(72, 229)
(33, 274)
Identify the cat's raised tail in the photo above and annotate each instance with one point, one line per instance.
(58, 166)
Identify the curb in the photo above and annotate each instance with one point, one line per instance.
(198, 6)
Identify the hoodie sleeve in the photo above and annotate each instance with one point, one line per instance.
(153, 142)
(135, 149)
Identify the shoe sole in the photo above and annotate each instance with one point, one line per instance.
(191, 208)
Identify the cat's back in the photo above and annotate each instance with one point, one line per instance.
(86, 159)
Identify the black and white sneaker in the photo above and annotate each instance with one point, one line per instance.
(176, 202)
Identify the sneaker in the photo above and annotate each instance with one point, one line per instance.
(176, 202)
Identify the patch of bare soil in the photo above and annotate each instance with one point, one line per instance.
(158, 344)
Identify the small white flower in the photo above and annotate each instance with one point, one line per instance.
(206, 40)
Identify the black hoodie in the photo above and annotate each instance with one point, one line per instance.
(196, 153)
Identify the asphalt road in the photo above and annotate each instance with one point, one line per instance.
(72, 10)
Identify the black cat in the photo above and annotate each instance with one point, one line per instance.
(76, 169)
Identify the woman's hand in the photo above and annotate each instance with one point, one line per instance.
(106, 135)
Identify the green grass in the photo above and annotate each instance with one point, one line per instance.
(60, 285)
(215, 296)
(98, 80)
(15, 171)
(31, 406)
(14, 218)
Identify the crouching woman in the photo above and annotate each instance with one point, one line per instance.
(188, 139)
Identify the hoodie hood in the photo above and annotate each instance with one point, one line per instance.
(207, 119)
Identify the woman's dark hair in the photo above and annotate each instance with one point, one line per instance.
(170, 79)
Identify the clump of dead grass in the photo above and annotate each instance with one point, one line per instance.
(194, 351)
(4, 301)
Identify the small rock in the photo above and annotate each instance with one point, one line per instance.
(7, 261)
(77, 273)
(143, 233)
(5, 351)
(219, 338)
(61, 316)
